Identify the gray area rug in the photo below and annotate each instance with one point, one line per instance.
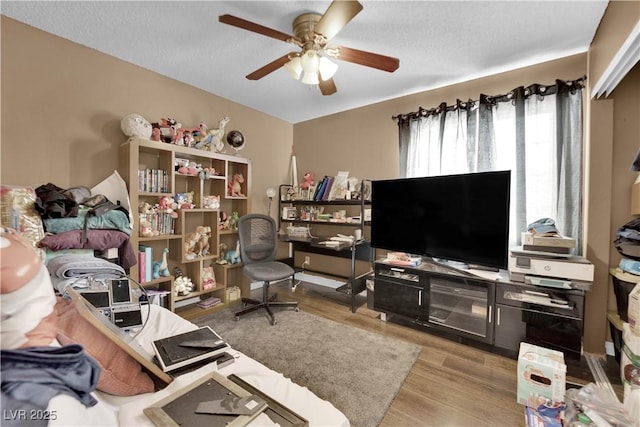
(359, 372)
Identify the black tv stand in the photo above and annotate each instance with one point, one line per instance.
(485, 308)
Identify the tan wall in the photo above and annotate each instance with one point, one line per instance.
(62, 104)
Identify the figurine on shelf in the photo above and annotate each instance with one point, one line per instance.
(203, 242)
(183, 286)
(191, 242)
(222, 253)
(208, 278)
(168, 128)
(185, 200)
(161, 268)
(136, 126)
(212, 141)
(167, 204)
(233, 221)
(235, 188)
(233, 257)
(212, 202)
(307, 180)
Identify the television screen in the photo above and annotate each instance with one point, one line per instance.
(461, 217)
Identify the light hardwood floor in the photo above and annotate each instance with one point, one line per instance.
(451, 384)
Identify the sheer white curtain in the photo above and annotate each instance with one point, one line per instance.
(536, 132)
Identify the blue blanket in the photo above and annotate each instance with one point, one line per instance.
(112, 220)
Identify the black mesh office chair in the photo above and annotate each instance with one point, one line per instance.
(258, 245)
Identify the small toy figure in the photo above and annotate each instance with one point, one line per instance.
(235, 188)
(167, 127)
(233, 257)
(208, 278)
(307, 180)
(212, 141)
(161, 268)
(203, 242)
(212, 202)
(191, 248)
(183, 286)
(136, 126)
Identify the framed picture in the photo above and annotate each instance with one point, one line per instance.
(275, 411)
(179, 408)
(289, 212)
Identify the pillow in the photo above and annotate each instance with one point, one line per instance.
(121, 374)
(114, 188)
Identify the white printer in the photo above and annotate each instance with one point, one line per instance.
(552, 270)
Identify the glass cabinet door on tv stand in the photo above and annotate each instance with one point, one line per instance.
(428, 296)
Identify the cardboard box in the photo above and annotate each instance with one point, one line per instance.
(541, 375)
(233, 293)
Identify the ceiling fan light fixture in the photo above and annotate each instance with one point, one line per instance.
(309, 61)
(294, 68)
(310, 78)
(327, 68)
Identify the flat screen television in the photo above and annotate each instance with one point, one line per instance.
(462, 218)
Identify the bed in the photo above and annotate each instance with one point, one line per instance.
(128, 411)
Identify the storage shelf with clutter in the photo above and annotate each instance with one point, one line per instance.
(189, 193)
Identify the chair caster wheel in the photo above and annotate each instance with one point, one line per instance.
(297, 309)
(273, 322)
(237, 318)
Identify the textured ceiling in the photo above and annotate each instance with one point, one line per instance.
(438, 43)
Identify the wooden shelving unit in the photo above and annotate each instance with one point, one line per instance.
(140, 154)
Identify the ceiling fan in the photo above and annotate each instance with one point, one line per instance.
(312, 34)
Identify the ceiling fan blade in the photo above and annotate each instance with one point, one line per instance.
(269, 68)
(252, 26)
(327, 87)
(339, 13)
(368, 59)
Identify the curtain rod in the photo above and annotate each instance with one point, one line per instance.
(532, 89)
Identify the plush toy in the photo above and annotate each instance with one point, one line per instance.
(233, 257)
(307, 180)
(185, 200)
(234, 187)
(191, 169)
(136, 126)
(183, 286)
(212, 202)
(233, 221)
(212, 141)
(161, 268)
(203, 243)
(191, 243)
(222, 254)
(168, 205)
(208, 278)
(167, 127)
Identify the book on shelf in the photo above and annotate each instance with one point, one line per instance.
(209, 302)
(184, 349)
(142, 267)
(319, 189)
(327, 188)
(148, 251)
